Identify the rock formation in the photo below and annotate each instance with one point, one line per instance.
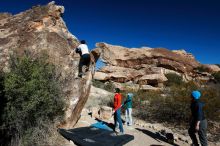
(211, 68)
(145, 66)
(42, 30)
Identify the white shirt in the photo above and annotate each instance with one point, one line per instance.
(84, 49)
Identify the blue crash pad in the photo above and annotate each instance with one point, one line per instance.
(101, 125)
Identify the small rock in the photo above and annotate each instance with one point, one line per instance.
(105, 112)
(95, 112)
(84, 112)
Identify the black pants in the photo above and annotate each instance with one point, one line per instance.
(84, 60)
(201, 133)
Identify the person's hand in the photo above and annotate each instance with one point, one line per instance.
(113, 112)
(197, 127)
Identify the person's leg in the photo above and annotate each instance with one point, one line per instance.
(85, 63)
(80, 66)
(192, 134)
(86, 59)
(202, 133)
(118, 112)
(115, 121)
(126, 116)
(130, 116)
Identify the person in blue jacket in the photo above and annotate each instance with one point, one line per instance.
(128, 109)
(198, 120)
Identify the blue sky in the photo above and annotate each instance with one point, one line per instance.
(193, 25)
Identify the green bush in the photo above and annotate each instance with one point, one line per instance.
(172, 104)
(173, 79)
(211, 97)
(202, 69)
(216, 76)
(98, 84)
(108, 86)
(32, 96)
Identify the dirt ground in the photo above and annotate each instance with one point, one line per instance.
(142, 136)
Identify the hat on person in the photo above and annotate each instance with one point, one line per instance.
(196, 94)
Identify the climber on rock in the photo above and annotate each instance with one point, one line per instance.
(83, 50)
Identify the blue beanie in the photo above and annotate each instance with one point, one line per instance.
(130, 94)
(196, 94)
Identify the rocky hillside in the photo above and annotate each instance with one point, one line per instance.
(147, 66)
(38, 30)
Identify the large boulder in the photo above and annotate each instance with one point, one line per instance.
(131, 57)
(42, 30)
(153, 79)
(143, 66)
(134, 87)
(99, 93)
(118, 74)
(212, 68)
(106, 113)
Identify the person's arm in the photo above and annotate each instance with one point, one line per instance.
(78, 50)
(115, 102)
(197, 126)
(126, 101)
(199, 117)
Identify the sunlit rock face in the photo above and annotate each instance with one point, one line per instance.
(38, 30)
(145, 66)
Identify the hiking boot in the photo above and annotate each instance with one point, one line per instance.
(80, 75)
(119, 133)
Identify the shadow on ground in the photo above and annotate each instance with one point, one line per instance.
(156, 136)
(90, 136)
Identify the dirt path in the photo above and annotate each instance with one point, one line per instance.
(142, 136)
(145, 137)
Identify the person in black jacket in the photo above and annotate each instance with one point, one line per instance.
(198, 121)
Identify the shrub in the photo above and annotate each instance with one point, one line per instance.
(108, 86)
(98, 84)
(202, 69)
(211, 97)
(216, 76)
(173, 79)
(32, 96)
(172, 105)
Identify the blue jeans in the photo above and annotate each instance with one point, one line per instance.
(117, 118)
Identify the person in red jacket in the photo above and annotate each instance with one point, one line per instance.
(117, 110)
